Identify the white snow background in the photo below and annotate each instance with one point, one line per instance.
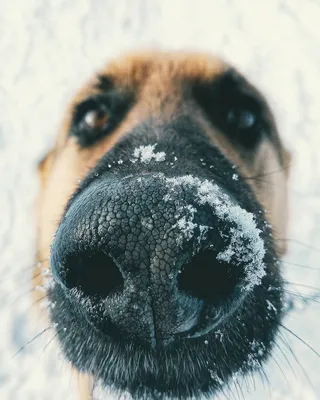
(48, 48)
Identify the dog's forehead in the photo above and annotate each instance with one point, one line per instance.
(165, 70)
(135, 69)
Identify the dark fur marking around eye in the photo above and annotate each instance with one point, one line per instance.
(235, 108)
(105, 83)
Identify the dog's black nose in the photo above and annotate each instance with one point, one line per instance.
(153, 257)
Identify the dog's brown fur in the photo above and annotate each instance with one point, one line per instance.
(159, 82)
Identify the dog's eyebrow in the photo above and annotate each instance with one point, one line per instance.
(104, 83)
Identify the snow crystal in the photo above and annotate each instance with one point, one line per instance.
(147, 153)
(186, 226)
(219, 335)
(185, 223)
(252, 362)
(258, 348)
(215, 376)
(47, 282)
(271, 306)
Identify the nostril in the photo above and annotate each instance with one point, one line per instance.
(207, 278)
(94, 273)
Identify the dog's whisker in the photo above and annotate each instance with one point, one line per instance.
(227, 391)
(253, 380)
(285, 357)
(245, 379)
(22, 294)
(292, 353)
(300, 265)
(292, 289)
(268, 173)
(19, 297)
(43, 302)
(273, 357)
(302, 285)
(23, 270)
(293, 295)
(29, 292)
(27, 280)
(233, 391)
(48, 344)
(223, 392)
(291, 189)
(300, 243)
(301, 340)
(304, 297)
(37, 336)
(264, 379)
(94, 386)
(241, 394)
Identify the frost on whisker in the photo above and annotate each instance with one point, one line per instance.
(146, 154)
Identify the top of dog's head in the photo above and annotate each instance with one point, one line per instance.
(166, 269)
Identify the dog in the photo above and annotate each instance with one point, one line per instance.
(159, 214)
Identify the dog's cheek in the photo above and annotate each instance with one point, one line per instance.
(61, 182)
(268, 180)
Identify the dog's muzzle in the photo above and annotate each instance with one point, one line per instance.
(153, 258)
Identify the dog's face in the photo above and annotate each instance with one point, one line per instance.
(165, 263)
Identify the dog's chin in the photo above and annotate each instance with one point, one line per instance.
(187, 366)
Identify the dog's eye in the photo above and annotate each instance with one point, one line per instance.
(234, 109)
(241, 119)
(98, 115)
(96, 119)
(242, 124)
(91, 120)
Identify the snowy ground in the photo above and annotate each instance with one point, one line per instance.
(48, 48)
